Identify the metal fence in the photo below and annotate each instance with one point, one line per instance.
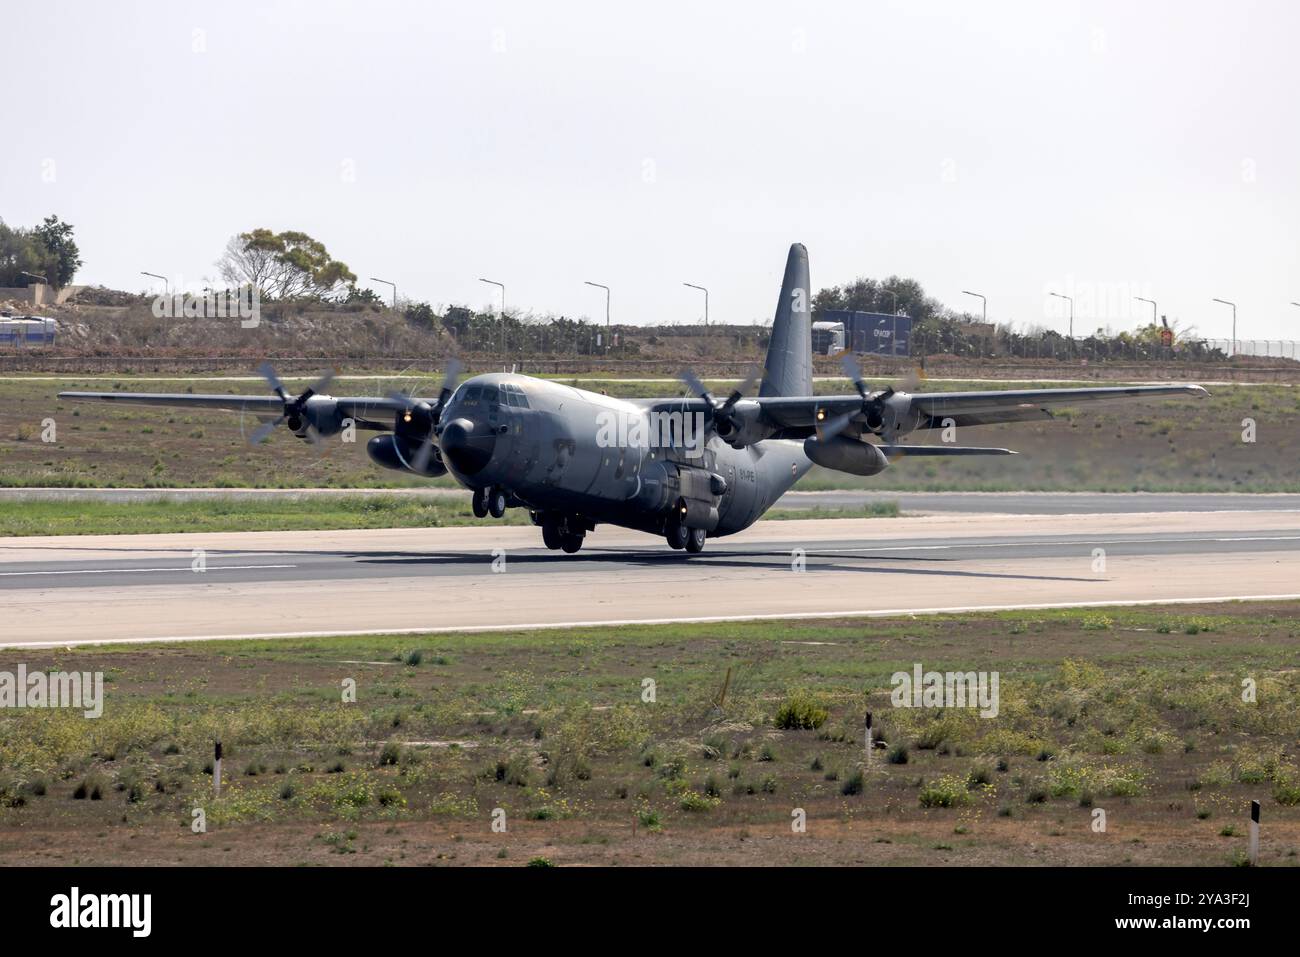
(1259, 348)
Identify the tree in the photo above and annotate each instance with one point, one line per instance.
(57, 238)
(48, 250)
(288, 265)
(366, 296)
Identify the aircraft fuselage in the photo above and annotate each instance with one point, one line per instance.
(557, 448)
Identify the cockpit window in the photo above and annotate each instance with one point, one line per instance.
(489, 394)
(472, 393)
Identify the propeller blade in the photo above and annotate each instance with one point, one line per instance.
(738, 393)
(449, 380)
(266, 428)
(267, 372)
(854, 372)
(451, 375)
(910, 382)
(323, 383)
(695, 385)
(423, 454)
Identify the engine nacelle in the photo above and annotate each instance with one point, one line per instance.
(398, 452)
(321, 412)
(846, 455)
(746, 426)
(891, 414)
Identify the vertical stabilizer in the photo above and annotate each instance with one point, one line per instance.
(788, 367)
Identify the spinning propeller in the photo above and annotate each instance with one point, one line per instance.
(419, 418)
(293, 408)
(721, 411)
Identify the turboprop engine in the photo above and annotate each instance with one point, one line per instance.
(846, 455)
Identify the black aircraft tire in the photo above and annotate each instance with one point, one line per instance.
(551, 536)
(677, 535)
(497, 503)
(478, 503)
(695, 540)
(570, 543)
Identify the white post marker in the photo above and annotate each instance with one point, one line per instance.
(1254, 833)
(868, 739)
(216, 770)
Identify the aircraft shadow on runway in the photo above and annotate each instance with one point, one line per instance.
(712, 560)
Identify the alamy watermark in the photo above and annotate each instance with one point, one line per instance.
(243, 303)
(53, 689)
(946, 689)
(631, 429)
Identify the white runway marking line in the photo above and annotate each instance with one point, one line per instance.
(1036, 542)
(712, 619)
(128, 571)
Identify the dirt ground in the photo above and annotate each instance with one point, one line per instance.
(1136, 714)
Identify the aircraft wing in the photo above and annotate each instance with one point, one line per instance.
(359, 408)
(929, 409)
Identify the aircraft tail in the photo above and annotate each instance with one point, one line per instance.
(787, 371)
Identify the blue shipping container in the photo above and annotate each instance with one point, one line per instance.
(876, 333)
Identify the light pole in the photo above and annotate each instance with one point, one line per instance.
(387, 283)
(154, 275)
(1155, 319)
(706, 300)
(33, 275)
(894, 293)
(1069, 299)
(1234, 322)
(501, 317)
(984, 304)
(606, 288)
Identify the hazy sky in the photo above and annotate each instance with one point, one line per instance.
(1103, 149)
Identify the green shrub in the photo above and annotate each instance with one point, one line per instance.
(947, 791)
(801, 711)
(695, 801)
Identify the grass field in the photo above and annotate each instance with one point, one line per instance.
(323, 513)
(1158, 445)
(1135, 713)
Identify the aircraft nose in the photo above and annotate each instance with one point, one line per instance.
(467, 446)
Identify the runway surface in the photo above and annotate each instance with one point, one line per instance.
(1018, 503)
(63, 590)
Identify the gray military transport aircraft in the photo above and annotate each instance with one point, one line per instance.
(683, 468)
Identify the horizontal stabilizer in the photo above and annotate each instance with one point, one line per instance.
(893, 450)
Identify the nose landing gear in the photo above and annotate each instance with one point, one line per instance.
(489, 501)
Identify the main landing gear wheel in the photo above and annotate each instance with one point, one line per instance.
(695, 540)
(551, 536)
(677, 535)
(479, 503)
(570, 543)
(497, 502)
